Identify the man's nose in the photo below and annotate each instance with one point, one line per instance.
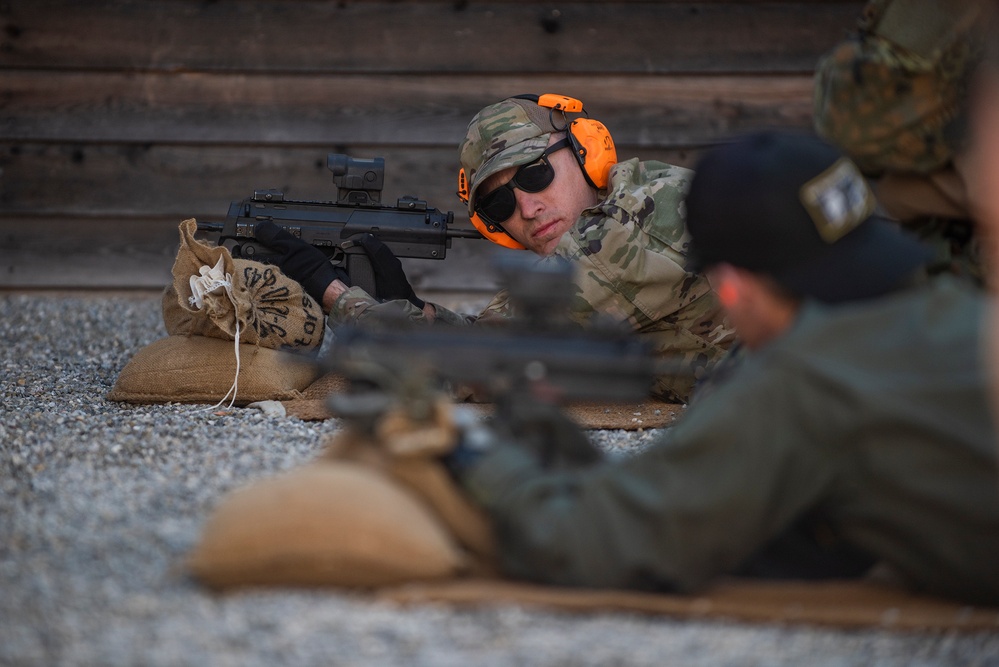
(528, 203)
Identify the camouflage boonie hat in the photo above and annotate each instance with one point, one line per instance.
(506, 134)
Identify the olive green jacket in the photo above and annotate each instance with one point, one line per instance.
(873, 415)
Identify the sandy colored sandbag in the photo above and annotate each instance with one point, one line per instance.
(199, 369)
(214, 295)
(409, 452)
(327, 523)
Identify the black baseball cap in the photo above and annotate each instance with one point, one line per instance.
(793, 207)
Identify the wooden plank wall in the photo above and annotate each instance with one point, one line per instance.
(120, 118)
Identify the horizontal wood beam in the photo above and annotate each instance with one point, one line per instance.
(344, 109)
(447, 36)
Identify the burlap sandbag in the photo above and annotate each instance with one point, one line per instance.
(270, 309)
(409, 452)
(199, 369)
(328, 523)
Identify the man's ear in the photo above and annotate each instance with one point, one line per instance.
(728, 283)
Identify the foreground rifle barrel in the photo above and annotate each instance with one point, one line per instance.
(556, 367)
(540, 354)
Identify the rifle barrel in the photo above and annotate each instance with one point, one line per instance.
(464, 233)
(210, 227)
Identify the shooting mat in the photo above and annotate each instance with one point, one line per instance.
(854, 604)
(311, 406)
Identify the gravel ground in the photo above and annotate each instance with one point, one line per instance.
(100, 501)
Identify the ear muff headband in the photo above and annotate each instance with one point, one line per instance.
(591, 141)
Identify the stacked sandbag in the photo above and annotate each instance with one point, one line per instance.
(376, 509)
(202, 369)
(328, 523)
(268, 308)
(235, 328)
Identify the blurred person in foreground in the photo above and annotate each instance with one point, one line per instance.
(986, 185)
(854, 433)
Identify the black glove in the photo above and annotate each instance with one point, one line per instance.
(299, 260)
(390, 279)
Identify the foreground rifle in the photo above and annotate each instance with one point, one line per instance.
(539, 356)
(408, 229)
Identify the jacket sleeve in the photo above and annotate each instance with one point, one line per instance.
(725, 480)
(355, 305)
(630, 248)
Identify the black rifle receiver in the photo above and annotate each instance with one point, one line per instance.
(410, 228)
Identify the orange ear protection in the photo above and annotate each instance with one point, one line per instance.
(494, 233)
(591, 144)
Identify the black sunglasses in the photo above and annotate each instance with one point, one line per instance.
(498, 205)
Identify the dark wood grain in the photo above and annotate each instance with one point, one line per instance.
(437, 37)
(331, 110)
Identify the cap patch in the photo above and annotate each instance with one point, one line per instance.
(837, 200)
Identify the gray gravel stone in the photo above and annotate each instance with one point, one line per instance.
(100, 501)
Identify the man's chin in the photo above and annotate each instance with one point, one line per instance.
(544, 248)
(545, 243)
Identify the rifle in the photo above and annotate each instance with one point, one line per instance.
(538, 356)
(410, 228)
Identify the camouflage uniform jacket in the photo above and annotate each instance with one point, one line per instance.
(630, 251)
(873, 417)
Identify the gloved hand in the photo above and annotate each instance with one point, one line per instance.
(545, 430)
(556, 441)
(474, 439)
(299, 260)
(390, 279)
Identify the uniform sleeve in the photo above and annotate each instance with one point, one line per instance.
(630, 248)
(355, 305)
(728, 478)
